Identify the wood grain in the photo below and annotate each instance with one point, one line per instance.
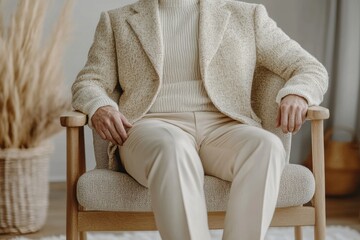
(340, 211)
(317, 113)
(73, 119)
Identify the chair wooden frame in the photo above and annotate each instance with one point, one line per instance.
(79, 221)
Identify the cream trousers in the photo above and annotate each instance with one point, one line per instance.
(170, 152)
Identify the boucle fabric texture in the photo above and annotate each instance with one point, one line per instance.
(182, 89)
(126, 61)
(266, 86)
(296, 186)
(123, 193)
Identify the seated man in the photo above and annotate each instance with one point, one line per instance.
(184, 70)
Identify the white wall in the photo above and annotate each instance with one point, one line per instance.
(304, 21)
(348, 67)
(86, 16)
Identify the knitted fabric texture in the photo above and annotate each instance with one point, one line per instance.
(182, 89)
(126, 61)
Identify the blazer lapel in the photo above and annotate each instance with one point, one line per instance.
(212, 25)
(146, 25)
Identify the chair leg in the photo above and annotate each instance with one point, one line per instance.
(83, 236)
(72, 234)
(71, 229)
(73, 142)
(298, 233)
(319, 232)
(317, 132)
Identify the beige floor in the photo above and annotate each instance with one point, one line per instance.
(340, 211)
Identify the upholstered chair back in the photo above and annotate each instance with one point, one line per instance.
(264, 90)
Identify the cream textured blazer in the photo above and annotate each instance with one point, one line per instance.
(125, 63)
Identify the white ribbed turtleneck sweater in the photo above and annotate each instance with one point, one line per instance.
(182, 89)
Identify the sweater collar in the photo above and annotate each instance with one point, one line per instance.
(177, 3)
(213, 21)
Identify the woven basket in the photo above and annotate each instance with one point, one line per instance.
(24, 188)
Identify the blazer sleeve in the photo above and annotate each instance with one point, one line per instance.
(97, 81)
(304, 74)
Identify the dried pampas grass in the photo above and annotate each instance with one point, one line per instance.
(31, 76)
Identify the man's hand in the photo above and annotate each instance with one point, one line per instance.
(110, 124)
(291, 113)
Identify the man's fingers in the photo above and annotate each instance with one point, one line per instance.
(100, 129)
(121, 131)
(278, 118)
(116, 136)
(125, 122)
(111, 124)
(303, 114)
(101, 133)
(284, 118)
(106, 129)
(109, 136)
(293, 113)
(298, 121)
(292, 118)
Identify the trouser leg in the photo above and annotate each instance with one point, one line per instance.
(253, 160)
(163, 157)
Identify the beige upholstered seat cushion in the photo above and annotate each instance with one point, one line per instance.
(102, 189)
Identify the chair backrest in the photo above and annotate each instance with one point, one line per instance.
(265, 87)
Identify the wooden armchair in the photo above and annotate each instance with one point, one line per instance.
(89, 194)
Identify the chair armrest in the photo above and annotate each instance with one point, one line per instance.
(78, 119)
(73, 119)
(317, 113)
(75, 159)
